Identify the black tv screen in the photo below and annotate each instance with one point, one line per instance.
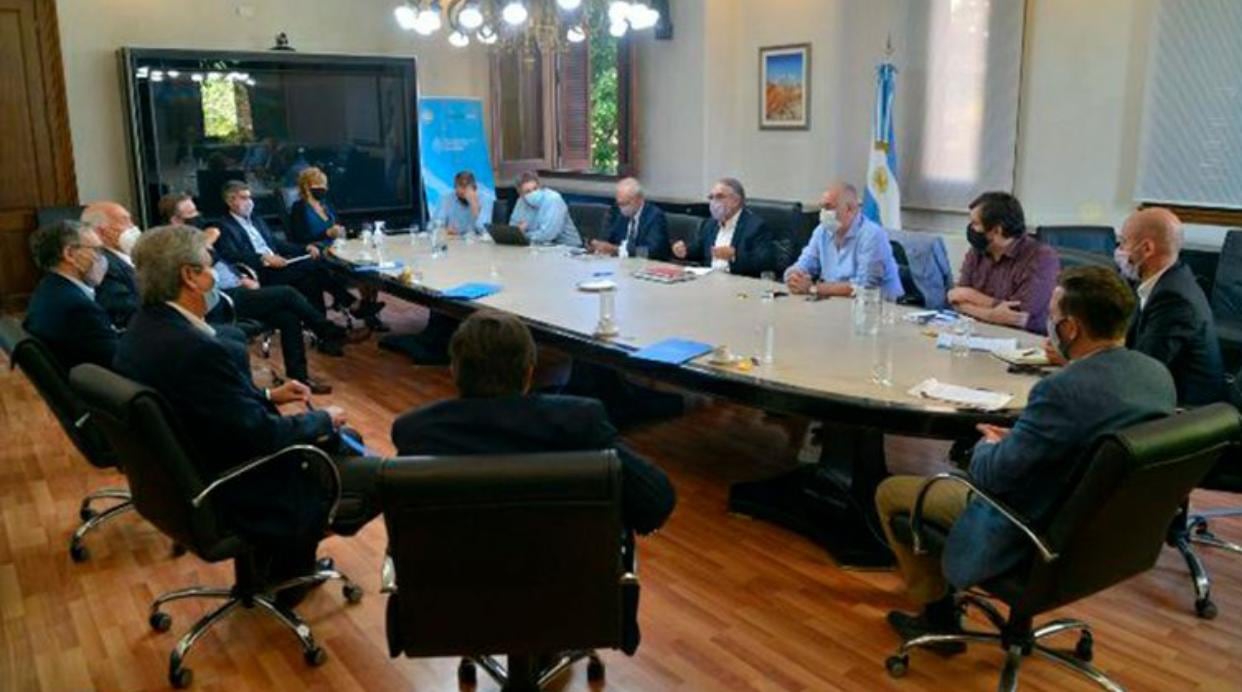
(200, 119)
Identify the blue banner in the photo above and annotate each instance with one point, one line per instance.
(452, 140)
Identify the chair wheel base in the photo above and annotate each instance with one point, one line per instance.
(86, 514)
(467, 673)
(1206, 609)
(180, 678)
(352, 593)
(595, 670)
(315, 657)
(79, 553)
(897, 666)
(1085, 649)
(160, 622)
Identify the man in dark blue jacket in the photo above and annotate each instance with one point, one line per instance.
(735, 239)
(63, 313)
(246, 239)
(206, 380)
(1104, 388)
(636, 225)
(493, 361)
(118, 292)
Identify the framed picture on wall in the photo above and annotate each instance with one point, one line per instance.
(785, 87)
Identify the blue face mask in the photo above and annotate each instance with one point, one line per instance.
(213, 295)
(534, 198)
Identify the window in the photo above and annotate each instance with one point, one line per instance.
(960, 95)
(226, 111)
(568, 111)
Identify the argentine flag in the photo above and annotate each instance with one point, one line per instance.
(882, 199)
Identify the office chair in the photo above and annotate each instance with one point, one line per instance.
(1100, 240)
(1110, 527)
(169, 492)
(591, 219)
(913, 296)
(530, 561)
(500, 211)
(1227, 298)
(683, 227)
(52, 383)
(46, 216)
(786, 222)
(1190, 528)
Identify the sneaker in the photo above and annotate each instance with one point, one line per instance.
(909, 627)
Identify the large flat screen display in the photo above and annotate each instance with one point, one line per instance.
(200, 119)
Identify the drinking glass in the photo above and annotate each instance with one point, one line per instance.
(963, 331)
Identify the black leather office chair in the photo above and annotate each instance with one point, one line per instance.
(500, 211)
(684, 228)
(1111, 527)
(913, 296)
(786, 221)
(530, 561)
(1101, 240)
(52, 383)
(590, 218)
(1081, 258)
(169, 492)
(46, 216)
(1227, 297)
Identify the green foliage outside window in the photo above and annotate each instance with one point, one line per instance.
(605, 97)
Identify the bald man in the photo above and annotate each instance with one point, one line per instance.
(1174, 320)
(636, 226)
(846, 250)
(118, 293)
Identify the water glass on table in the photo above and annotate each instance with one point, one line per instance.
(642, 252)
(963, 331)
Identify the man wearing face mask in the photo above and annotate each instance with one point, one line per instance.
(1008, 275)
(1174, 320)
(636, 225)
(845, 250)
(735, 239)
(1105, 388)
(63, 313)
(542, 214)
(205, 380)
(466, 210)
(118, 292)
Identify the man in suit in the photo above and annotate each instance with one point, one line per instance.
(118, 292)
(280, 307)
(493, 361)
(1174, 320)
(1104, 388)
(246, 239)
(63, 313)
(542, 214)
(1007, 275)
(735, 239)
(846, 250)
(637, 225)
(206, 380)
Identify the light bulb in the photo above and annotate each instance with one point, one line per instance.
(569, 5)
(213, 75)
(407, 18)
(514, 13)
(487, 36)
(644, 17)
(470, 17)
(458, 40)
(575, 34)
(428, 22)
(618, 29)
(173, 74)
(157, 76)
(196, 77)
(618, 12)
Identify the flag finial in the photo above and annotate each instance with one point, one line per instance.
(888, 46)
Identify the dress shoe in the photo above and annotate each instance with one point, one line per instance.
(367, 309)
(910, 626)
(318, 387)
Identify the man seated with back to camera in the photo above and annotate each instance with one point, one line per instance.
(62, 312)
(845, 250)
(229, 421)
(280, 307)
(1008, 275)
(493, 363)
(1104, 388)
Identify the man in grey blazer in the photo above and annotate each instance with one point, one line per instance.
(1103, 388)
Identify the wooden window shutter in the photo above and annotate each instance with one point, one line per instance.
(574, 101)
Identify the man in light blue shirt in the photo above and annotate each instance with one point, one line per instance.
(466, 210)
(845, 250)
(542, 214)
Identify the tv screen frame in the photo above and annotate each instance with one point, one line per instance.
(139, 114)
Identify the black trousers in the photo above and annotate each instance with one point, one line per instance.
(285, 309)
(312, 279)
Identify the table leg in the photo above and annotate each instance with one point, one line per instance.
(831, 502)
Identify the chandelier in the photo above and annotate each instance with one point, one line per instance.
(545, 26)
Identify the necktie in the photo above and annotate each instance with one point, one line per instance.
(629, 235)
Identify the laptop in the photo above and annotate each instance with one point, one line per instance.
(504, 234)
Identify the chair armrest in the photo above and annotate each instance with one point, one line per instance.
(916, 519)
(232, 308)
(246, 271)
(311, 452)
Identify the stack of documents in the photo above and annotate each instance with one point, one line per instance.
(964, 397)
(980, 343)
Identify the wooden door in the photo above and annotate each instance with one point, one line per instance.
(36, 154)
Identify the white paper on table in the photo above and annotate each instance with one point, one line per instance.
(958, 395)
(979, 343)
(699, 271)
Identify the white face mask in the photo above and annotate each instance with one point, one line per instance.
(1124, 265)
(94, 275)
(828, 219)
(129, 238)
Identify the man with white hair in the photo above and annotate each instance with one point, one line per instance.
(1174, 320)
(118, 292)
(846, 250)
(636, 225)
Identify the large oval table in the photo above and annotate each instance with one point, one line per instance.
(821, 369)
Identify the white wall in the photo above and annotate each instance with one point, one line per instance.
(92, 30)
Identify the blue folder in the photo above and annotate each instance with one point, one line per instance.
(471, 291)
(672, 351)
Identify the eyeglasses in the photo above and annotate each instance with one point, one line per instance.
(95, 249)
(715, 196)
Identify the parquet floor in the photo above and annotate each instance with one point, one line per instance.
(728, 603)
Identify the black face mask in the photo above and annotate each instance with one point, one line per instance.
(198, 222)
(463, 200)
(977, 240)
(319, 193)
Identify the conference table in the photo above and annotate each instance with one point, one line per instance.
(820, 368)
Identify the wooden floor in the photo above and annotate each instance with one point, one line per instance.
(728, 603)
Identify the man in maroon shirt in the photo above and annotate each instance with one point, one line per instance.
(1008, 276)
